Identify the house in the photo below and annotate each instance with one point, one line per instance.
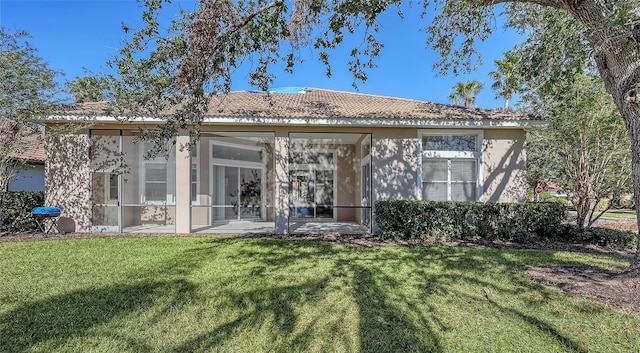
(30, 152)
(305, 160)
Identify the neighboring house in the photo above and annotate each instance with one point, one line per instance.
(30, 177)
(555, 190)
(313, 161)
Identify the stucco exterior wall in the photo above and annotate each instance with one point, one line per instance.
(68, 178)
(504, 166)
(394, 167)
(394, 158)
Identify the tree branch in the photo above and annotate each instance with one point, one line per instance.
(559, 4)
(236, 27)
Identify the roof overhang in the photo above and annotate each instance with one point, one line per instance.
(342, 122)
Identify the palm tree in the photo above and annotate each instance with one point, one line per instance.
(466, 92)
(505, 80)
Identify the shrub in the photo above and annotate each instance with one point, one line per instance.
(520, 222)
(596, 235)
(15, 210)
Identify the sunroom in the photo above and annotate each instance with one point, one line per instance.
(231, 184)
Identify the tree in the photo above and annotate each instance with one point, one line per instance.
(201, 50)
(585, 149)
(27, 91)
(87, 88)
(465, 92)
(505, 78)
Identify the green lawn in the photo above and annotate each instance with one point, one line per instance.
(191, 294)
(618, 213)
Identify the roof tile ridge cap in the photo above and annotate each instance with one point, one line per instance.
(511, 112)
(370, 95)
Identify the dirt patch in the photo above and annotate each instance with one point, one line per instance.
(620, 291)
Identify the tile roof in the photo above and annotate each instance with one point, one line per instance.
(31, 147)
(328, 104)
(321, 103)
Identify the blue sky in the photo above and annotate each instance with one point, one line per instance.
(74, 35)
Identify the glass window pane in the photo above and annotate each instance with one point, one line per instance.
(322, 158)
(231, 187)
(434, 191)
(236, 153)
(250, 187)
(155, 191)
(463, 191)
(449, 142)
(366, 148)
(113, 187)
(194, 182)
(434, 170)
(463, 170)
(156, 172)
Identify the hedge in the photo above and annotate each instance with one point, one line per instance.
(15, 210)
(519, 222)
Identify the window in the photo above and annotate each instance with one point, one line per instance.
(449, 142)
(449, 179)
(451, 166)
(113, 187)
(238, 182)
(228, 151)
(155, 186)
(158, 183)
(195, 172)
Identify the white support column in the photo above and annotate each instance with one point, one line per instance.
(281, 172)
(183, 184)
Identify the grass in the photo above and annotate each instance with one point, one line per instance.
(621, 213)
(618, 213)
(169, 294)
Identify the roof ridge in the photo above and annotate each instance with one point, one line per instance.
(372, 95)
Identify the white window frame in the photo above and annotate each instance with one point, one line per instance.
(195, 162)
(449, 155)
(170, 198)
(262, 165)
(312, 168)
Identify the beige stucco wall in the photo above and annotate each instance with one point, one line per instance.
(394, 166)
(504, 166)
(394, 161)
(68, 180)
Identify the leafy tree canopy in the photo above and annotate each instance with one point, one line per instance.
(27, 92)
(27, 86)
(200, 51)
(466, 92)
(89, 88)
(585, 149)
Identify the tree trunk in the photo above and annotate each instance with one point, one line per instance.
(618, 87)
(582, 211)
(618, 58)
(632, 120)
(618, 61)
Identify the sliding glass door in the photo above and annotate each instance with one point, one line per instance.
(237, 193)
(312, 193)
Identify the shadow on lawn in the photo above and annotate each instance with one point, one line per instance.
(391, 290)
(388, 320)
(55, 320)
(384, 325)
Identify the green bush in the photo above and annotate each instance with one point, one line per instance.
(15, 210)
(596, 235)
(519, 222)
